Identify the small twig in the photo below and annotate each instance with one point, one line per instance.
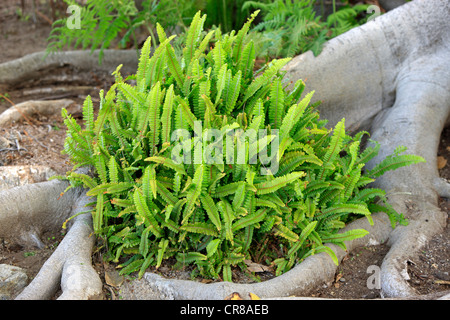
(43, 16)
(17, 145)
(35, 139)
(12, 149)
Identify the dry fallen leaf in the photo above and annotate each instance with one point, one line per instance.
(113, 278)
(253, 296)
(256, 267)
(441, 162)
(234, 296)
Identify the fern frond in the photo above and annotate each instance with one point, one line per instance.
(285, 232)
(167, 163)
(186, 112)
(265, 78)
(203, 45)
(290, 161)
(335, 145)
(293, 116)
(345, 236)
(351, 182)
(88, 113)
(174, 65)
(394, 162)
(166, 118)
(276, 107)
(201, 227)
(194, 193)
(145, 213)
(219, 56)
(303, 236)
(105, 109)
(237, 50)
(249, 220)
(277, 183)
(168, 197)
(228, 217)
(369, 193)
(369, 153)
(247, 60)
(234, 87)
(211, 210)
(142, 70)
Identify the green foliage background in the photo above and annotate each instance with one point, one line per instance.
(284, 27)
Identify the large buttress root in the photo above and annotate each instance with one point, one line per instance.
(402, 97)
(69, 267)
(416, 121)
(29, 66)
(29, 211)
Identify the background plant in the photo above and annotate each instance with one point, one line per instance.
(291, 27)
(149, 208)
(286, 28)
(106, 22)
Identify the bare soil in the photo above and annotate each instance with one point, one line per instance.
(41, 142)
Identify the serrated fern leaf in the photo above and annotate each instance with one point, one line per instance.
(174, 65)
(249, 220)
(265, 77)
(276, 108)
(211, 210)
(233, 92)
(293, 116)
(345, 236)
(190, 257)
(192, 36)
(167, 163)
(369, 193)
(88, 113)
(335, 145)
(201, 227)
(277, 183)
(303, 236)
(142, 71)
(166, 118)
(247, 60)
(144, 211)
(395, 162)
(285, 232)
(105, 109)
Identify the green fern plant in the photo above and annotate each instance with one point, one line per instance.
(104, 23)
(179, 171)
(290, 27)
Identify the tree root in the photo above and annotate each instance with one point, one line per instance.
(29, 66)
(402, 98)
(14, 176)
(29, 108)
(69, 267)
(30, 210)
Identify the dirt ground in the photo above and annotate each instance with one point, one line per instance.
(41, 142)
